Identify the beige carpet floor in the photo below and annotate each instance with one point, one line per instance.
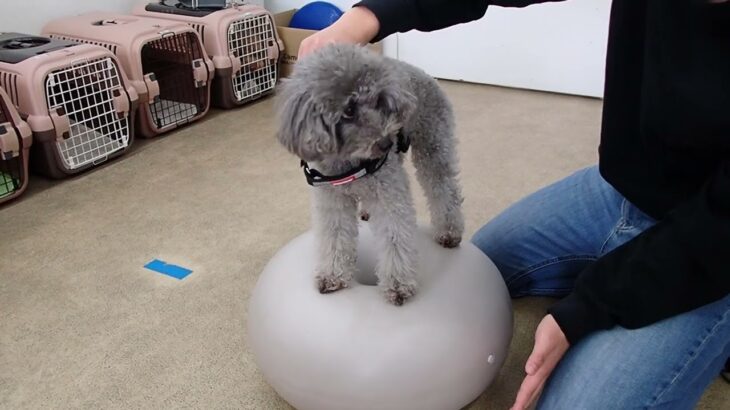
(83, 325)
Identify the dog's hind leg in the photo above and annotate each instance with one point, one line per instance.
(393, 219)
(434, 156)
(335, 224)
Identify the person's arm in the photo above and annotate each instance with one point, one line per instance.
(372, 20)
(678, 265)
(399, 16)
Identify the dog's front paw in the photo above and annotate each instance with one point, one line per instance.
(399, 293)
(448, 239)
(329, 283)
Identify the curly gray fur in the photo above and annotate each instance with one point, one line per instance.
(344, 104)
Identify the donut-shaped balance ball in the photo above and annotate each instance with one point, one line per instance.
(353, 350)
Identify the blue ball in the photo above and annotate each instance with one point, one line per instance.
(315, 16)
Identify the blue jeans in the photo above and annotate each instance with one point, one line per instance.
(543, 242)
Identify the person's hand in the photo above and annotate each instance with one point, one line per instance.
(357, 26)
(550, 346)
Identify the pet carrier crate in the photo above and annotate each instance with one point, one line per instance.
(77, 101)
(241, 39)
(164, 60)
(15, 140)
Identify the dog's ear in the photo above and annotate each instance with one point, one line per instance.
(398, 103)
(303, 128)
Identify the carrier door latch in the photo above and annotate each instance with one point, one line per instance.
(275, 49)
(200, 73)
(235, 64)
(153, 87)
(9, 142)
(120, 101)
(61, 123)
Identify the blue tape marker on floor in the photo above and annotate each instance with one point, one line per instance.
(176, 272)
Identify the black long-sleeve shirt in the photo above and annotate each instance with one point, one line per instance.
(665, 146)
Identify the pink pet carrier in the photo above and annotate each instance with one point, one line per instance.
(164, 60)
(241, 39)
(76, 100)
(15, 140)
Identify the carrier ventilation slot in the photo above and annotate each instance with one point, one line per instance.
(9, 82)
(200, 29)
(108, 46)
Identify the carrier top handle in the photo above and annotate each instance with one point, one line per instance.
(204, 4)
(193, 8)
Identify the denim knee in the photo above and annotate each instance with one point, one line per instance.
(487, 240)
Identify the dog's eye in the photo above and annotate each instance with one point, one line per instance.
(350, 111)
(385, 104)
(381, 103)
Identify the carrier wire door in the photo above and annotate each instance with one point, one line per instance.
(241, 40)
(172, 61)
(164, 60)
(85, 93)
(15, 141)
(251, 40)
(75, 97)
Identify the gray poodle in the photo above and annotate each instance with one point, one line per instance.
(350, 115)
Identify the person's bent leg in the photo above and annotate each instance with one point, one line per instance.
(541, 243)
(667, 365)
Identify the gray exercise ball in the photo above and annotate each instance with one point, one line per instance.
(352, 350)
